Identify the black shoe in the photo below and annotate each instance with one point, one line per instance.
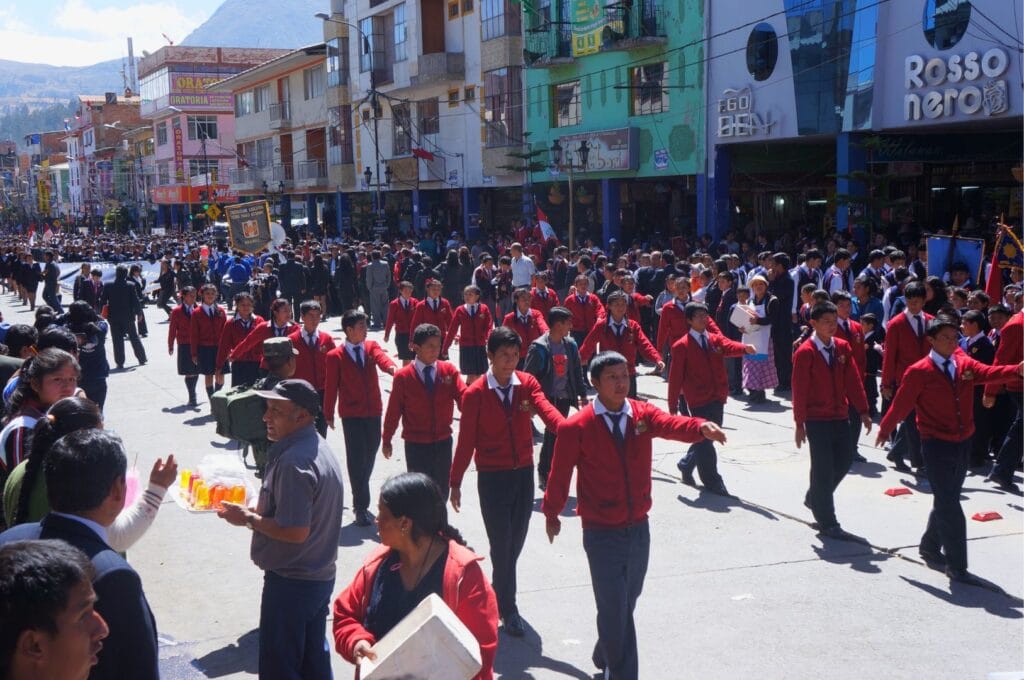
(120, 367)
(543, 486)
(513, 625)
(363, 518)
(838, 533)
(1004, 484)
(686, 474)
(966, 577)
(857, 458)
(192, 403)
(934, 560)
(719, 489)
(900, 466)
(143, 362)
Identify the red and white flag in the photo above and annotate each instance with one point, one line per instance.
(545, 225)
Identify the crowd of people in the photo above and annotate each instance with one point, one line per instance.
(850, 336)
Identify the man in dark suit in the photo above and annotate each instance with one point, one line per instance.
(85, 482)
(781, 287)
(80, 282)
(122, 299)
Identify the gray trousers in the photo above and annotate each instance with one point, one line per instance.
(378, 306)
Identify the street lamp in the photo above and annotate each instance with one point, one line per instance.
(583, 151)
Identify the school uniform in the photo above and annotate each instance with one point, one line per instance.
(423, 398)
(179, 329)
(980, 349)
(698, 384)
(400, 313)
(252, 344)
(873, 347)
(432, 310)
(586, 310)
(853, 333)
(495, 432)
(245, 369)
(1010, 351)
(905, 343)
(544, 300)
(206, 324)
(673, 324)
(826, 382)
(611, 453)
(351, 385)
(940, 392)
(311, 361)
(626, 338)
(528, 327)
(472, 324)
(635, 303)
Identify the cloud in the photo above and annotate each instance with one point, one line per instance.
(80, 35)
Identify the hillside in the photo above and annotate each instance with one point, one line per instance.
(282, 24)
(38, 84)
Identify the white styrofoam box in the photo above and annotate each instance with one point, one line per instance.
(430, 643)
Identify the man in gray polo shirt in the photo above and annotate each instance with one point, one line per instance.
(295, 525)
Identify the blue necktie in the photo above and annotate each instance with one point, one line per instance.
(428, 378)
(615, 418)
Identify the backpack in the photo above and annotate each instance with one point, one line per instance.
(238, 413)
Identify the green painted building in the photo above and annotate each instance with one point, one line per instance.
(625, 79)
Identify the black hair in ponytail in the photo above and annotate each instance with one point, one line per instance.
(417, 496)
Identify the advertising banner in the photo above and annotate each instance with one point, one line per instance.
(249, 226)
(588, 23)
(179, 154)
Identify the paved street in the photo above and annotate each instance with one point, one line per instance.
(736, 588)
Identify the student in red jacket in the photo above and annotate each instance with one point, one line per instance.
(620, 334)
(1009, 351)
(698, 384)
(673, 324)
(434, 309)
(543, 298)
(279, 325)
(179, 329)
(313, 345)
(472, 323)
(849, 330)
(400, 311)
(939, 389)
(351, 382)
(423, 397)
(609, 444)
(245, 369)
(496, 431)
(586, 308)
(527, 322)
(905, 343)
(826, 383)
(635, 302)
(206, 325)
(420, 554)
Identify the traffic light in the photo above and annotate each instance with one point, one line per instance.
(204, 199)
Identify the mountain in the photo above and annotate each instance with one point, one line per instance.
(40, 84)
(286, 24)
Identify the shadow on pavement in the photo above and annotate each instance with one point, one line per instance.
(241, 656)
(865, 561)
(712, 501)
(996, 603)
(869, 469)
(568, 511)
(769, 406)
(517, 657)
(184, 408)
(352, 535)
(198, 421)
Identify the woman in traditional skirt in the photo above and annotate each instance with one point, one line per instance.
(759, 369)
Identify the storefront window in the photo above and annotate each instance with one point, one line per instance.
(945, 22)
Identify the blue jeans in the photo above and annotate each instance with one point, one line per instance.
(293, 622)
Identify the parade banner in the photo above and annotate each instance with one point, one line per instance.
(945, 251)
(69, 271)
(249, 226)
(588, 23)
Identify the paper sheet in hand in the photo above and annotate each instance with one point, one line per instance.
(740, 316)
(758, 336)
(430, 643)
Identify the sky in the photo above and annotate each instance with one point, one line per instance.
(84, 32)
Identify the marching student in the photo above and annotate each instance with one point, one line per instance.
(434, 309)
(939, 390)
(542, 298)
(279, 325)
(698, 382)
(400, 311)
(423, 397)
(527, 322)
(206, 325)
(179, 328)
(496, 432)
(245, 370)
(849, 330)
(826, 382)
(905, 343)
(635, 302)
(874, 339)
(554, 360)
(313, 345)
(673, 324)
(586, 308)
(609, 444)
(351, 382)
(623, 335)
(472, 323)
(1009, 350)
(976, 345)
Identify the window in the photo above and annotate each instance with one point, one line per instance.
(568, 109)
(243, 104)
(313, 82)
(429, 121)
(161, 134)
(467, 6)
(453, 98)
(762, 51)
(470, 95)
(400, 33)
(339, 136)
(201, 166)
(498, 18)
(401, 135)
(453, 9)
(337, 62)
(366, 44)
(261, 99)
(163, 174)
(202, 127)
(503, 111)
(647, 84)
(945, 22)
(263, 156)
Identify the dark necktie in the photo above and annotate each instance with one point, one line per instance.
(210, 312)
(582, 299)
(618, 330)
(278, 331)
(947, 367)
(525, 320)
(919, 325)
(311, 342)
(506, 395)
(543, 296)
(428, 378)
(472, 311)
(615, 418)
(703, 343)
(358, 351)
(846, 327)
(831, 352)
(433, 305)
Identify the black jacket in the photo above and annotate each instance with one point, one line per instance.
(292, 278)
(130, 651)
(123, 300)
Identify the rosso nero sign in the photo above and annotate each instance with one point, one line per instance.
(965, 84)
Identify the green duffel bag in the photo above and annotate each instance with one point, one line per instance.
(239, 414)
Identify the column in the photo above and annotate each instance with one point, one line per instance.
(713, 216)
(341, 210)
(286, 212)
(471, 208)
(851, 158)
(611, 212)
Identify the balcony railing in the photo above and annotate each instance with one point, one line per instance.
(283, 173)
(310, 170)
(633, 24)
(440, 67)
(548, 45)
(249, 176)
(280, 114)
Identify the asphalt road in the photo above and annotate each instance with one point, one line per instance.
(736, 587)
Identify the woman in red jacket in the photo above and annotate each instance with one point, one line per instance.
(420, 554)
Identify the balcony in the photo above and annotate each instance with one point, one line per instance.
(246, 178)
(283, 173)
(310, 171)
(280, 115)
(547, 46)
(440, 67)
(632, 25)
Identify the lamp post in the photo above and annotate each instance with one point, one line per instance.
(368, 177)
(556, 155)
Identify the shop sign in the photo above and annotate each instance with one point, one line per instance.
(661, 159)
(179, 153)
(610, 150)
(193, 83)
(211, 100)
(737, 117)
(965, 84)
(589, 20)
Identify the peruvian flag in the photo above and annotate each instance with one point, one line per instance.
(423, 153)
(545, 225)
